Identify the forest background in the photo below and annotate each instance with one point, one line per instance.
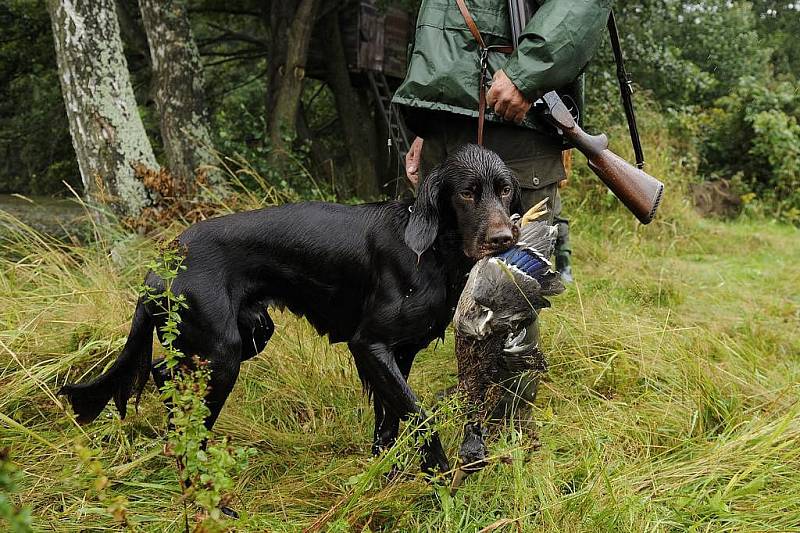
(722, 74)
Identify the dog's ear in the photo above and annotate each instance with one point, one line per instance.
(423, 224)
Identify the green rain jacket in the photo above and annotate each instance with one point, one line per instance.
(444, 66)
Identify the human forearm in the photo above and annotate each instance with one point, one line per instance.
(556, 44)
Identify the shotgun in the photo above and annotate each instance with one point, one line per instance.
(638, 190)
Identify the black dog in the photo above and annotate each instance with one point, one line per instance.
(383, 277)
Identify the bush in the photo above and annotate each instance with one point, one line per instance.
(777, 141)
(752, 135)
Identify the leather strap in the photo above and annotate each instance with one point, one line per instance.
(481, 101)
(484, 59)
(473, 28)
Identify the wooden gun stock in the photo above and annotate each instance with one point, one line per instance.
(638, 190)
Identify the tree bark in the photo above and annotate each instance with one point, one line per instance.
(353, 116)
(279, 15)
(289, 81)
(179, 90)
(104, 122)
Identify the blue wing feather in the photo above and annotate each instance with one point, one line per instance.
(531, 252)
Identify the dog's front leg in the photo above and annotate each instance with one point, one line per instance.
(378, 367)
(387, 423)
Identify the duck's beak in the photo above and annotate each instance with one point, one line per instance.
(459, 475)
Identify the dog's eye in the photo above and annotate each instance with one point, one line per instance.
(506, 191)
(467, 195)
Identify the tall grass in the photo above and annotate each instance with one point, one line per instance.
(670, 404)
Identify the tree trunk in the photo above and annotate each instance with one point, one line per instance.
(279, 15)
(304, 133)
(179, 90)
(289, 82)
(104, 122)
(353, 116)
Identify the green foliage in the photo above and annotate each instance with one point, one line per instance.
(168, 265)
(17, 520)
(240, 133)
(777, 141)
(116, 506)
(205, 468)
(752, 134)
(688, 53)
(710, 69)
(779, 25)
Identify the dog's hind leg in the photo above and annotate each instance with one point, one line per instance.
(221, 381)
(211, 333)
(224, 360)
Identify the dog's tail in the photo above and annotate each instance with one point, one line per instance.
(128, 374)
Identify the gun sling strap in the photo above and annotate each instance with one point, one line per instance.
(484, 50)
(625, 83)
(626, 90)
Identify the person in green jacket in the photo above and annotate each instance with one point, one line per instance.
(440, 92)
(439, 95)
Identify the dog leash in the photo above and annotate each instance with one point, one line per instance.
(484, 62)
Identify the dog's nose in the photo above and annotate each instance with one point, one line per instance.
(501, 237)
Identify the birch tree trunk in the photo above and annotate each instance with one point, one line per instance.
(104, 122)
(289, 82)
(179, 89)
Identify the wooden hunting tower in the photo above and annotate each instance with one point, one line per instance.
(376, 41)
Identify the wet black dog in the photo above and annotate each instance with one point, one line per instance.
(383, 277)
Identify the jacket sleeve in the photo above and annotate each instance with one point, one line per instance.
(556, 45)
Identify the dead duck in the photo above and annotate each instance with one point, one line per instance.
(496, 331)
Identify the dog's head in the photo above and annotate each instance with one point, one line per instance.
(472, 193)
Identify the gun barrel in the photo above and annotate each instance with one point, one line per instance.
(626, 90)
(516, 25)
(519, 15)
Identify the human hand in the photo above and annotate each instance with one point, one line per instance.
(412, 161)
(506, 100)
